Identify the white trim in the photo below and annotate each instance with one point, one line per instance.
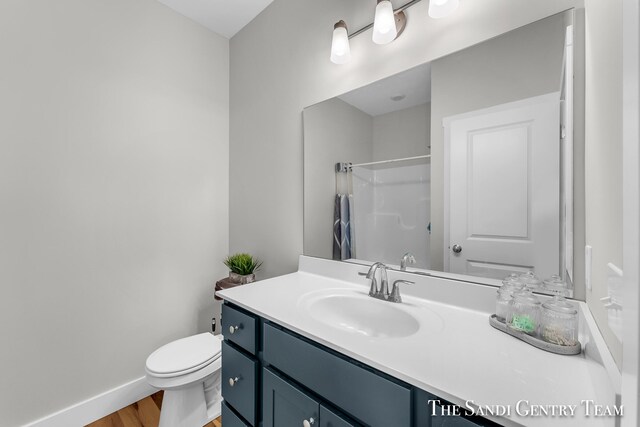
(534, 100)
(567, 157)
(98, 406)
(630, 210)
(446, 157)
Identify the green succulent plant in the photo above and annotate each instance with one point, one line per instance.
(242, 264)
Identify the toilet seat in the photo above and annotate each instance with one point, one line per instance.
(184, 356)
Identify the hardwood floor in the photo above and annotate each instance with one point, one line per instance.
(144, 413)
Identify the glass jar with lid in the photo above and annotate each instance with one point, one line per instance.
(559, 322)
(524, 314)
(503, 301)
(513, 280)
(530, 280)
(554, 285)
(510, 285)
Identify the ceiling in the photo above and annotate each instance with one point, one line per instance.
(375, 99)
(224, 17)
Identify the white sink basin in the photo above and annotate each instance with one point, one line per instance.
(358, 313)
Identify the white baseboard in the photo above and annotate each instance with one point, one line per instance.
(98, 406)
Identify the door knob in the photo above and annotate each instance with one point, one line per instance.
(456, 249)
(233, 381)
(308, 423)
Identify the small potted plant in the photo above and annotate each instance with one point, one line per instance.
(242, 267)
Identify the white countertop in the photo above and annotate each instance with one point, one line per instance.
(455, 354)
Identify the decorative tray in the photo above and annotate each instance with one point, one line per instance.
(568, 350)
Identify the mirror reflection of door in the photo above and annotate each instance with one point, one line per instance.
(504, 198)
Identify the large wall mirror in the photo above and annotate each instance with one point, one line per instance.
(472, 163)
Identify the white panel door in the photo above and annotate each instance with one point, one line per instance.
(504, 168)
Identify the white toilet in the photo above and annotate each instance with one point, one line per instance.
(188, 370)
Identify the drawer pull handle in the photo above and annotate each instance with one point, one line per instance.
(233, 381)
(233, 329)
(308, 423)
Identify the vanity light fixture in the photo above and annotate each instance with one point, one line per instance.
(384, 23)
(387, 26)
(340, 49)
(442, 8)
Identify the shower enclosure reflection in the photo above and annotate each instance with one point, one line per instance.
(389, 210)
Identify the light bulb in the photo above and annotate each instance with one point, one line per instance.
(384, 24)
(340, 49)
(442, 8)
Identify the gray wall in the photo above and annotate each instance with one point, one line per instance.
(403, 133)
(280, 64)
(114, 193)
(524, 63)
(603, 152)
(334, 131)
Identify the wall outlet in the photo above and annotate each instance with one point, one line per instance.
(587, 266)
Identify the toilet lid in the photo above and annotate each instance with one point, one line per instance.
(186, 354)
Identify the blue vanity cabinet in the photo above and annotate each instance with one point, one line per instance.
(273, 377)
(240, 367)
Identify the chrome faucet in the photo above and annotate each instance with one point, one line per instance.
(407, 258)
(383, 292)
(371, 275)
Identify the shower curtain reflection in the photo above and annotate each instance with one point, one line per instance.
(343, 226)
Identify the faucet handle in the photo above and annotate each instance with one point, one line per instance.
(395, 291)
(406, 282)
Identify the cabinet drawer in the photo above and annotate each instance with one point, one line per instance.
(230, 419)
(239, 327)
(243, 370)
(367, 396)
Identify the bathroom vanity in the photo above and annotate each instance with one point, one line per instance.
(311, 348)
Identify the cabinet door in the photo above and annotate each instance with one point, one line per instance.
(230, 419)
(284, 405)
(328, 418)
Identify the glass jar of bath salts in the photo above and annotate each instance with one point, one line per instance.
(559, 322)
(511, 285)
(524, 312)
(530, 280)
(503, 303)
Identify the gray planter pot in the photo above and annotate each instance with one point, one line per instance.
(242, 279)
